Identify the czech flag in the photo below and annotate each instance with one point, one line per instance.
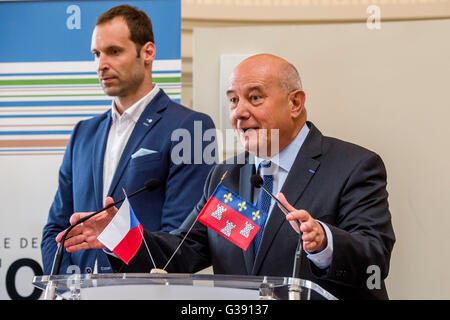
(123, 235)
(232, 217)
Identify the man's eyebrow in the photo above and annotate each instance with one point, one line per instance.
(109, 48)
(229, 92)
(254, 88)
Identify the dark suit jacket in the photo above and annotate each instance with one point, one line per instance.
(81, 175)
(338, 183)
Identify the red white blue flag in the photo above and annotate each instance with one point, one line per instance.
(123, 235)
(231, 216)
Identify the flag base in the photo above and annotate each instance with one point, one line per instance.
(156, 270)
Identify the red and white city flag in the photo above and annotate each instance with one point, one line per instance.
(231, 216)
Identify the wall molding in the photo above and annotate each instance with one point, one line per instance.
(311, 10)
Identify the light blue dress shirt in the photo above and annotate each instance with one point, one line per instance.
(281, 165)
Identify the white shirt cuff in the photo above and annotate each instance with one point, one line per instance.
(323, 258)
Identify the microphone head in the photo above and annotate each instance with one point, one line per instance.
(256, 181)
(152, 184)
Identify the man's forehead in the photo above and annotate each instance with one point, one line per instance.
(245, 87)
(246, 82)
(247, 73)
(115, 30)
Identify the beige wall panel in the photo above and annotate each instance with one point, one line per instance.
(384, 89)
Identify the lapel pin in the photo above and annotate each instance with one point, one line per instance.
(312, 171)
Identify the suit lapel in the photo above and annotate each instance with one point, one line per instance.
(297, 180)
(100, 140)
(149, 117)
(304, 167)
(246, 192)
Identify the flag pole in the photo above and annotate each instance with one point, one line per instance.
(143, 238)
(190, 228)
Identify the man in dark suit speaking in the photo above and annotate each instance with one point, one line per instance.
(127, 145)
(338, 188)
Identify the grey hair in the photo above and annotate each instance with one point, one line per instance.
(290, 78)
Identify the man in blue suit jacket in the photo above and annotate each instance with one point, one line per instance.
(129, 144)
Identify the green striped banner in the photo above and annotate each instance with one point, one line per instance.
(28, 82)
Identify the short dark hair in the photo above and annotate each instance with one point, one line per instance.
(138, 22)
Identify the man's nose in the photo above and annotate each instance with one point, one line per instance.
(102, 63)
(241, 111)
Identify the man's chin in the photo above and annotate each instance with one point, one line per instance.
(256, 149)
(110, 91)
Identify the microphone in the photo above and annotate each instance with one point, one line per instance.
(150, 185)
(257, 182)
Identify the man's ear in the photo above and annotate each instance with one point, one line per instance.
(297, 101)
(148, 52)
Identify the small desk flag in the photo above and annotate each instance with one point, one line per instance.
(123, 235)
(231, 216)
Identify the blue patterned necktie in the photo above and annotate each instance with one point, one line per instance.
(263, 202)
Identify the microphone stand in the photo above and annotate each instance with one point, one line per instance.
(295, 288)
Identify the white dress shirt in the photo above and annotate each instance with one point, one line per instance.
(121, 128)
(281, 165)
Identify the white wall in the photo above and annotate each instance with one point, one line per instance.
(27, 187)
(384, 89)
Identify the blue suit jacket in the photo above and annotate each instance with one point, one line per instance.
(81, 175)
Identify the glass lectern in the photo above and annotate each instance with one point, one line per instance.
(176, 286)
